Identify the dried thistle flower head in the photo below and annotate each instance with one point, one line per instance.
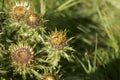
(33, 20)
(21, 55)
(19, 10)
(50, 77)
(57, 40)
(22, 60)
(57, 46)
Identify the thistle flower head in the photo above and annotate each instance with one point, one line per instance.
(22, 60)
(57, 40)
(50, 77)
(19, 10)
(57, 46)
(33, 20)
(21, 55)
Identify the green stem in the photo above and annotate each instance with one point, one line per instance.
(36, 73)
(95, 56)
(84, 67)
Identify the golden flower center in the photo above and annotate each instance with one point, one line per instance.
(19, 10)
(33, 18)
(50, 78)
(22, 54)
(57, 39)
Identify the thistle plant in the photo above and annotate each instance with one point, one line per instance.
(25, 61)
(31, 49)
(21, 55)
(57, 46)
(26, 48)
(24, 23)
(19, 10)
